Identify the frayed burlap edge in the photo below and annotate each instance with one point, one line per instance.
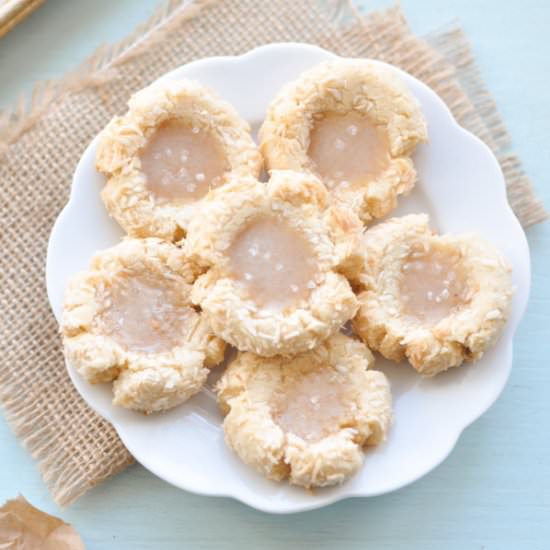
(443, 61)
(66, 482)
(478, 114)
(30, 421)
(489, 126)
(96, 70)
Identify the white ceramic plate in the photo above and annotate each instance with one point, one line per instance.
(461, 187)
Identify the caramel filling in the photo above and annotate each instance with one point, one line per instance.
(433, 284)
(145, 314)
(347, 149)
(182, 162)
(313, 406)
(274, 262)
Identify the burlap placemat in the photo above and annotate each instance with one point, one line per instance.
(40, 144)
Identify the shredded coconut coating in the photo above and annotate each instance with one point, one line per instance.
(146, 382)
(333, 233)
(465, 333)
(343, 86)
(250, 385)
(126, 194)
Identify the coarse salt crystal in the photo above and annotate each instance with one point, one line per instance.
(339, 144)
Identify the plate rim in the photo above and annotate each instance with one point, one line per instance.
(520, 308)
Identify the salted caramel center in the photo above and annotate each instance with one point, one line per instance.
(182, 162)
(274, 262)
(313, 406)
(144, 313)
(433, 284)
(347, 149)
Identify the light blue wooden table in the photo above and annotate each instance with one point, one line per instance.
(493, 492)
